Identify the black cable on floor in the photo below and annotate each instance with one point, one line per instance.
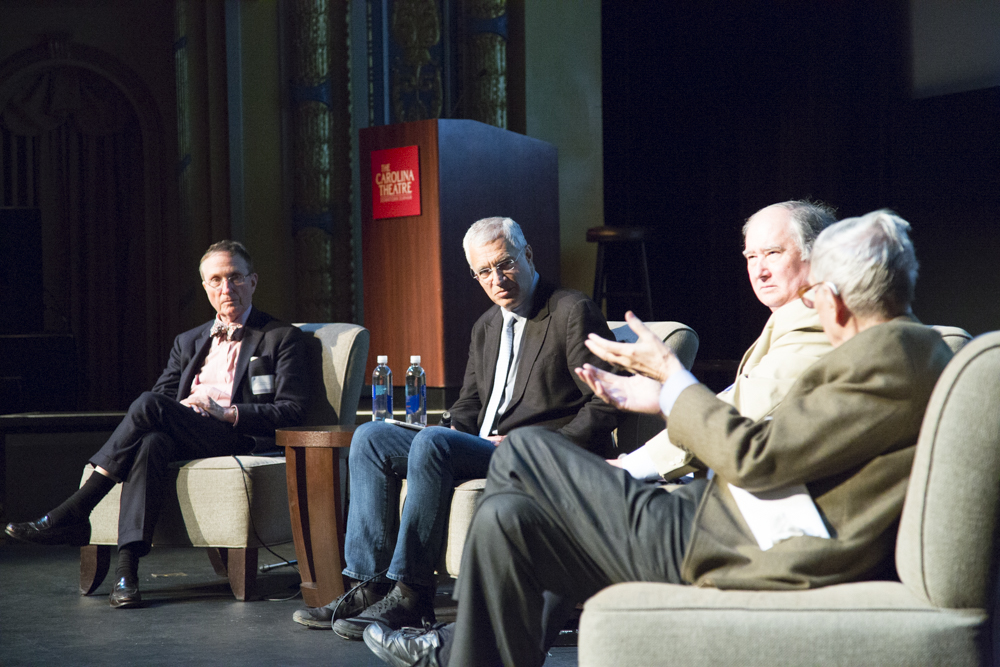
(253, 525)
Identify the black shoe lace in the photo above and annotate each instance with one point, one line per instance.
(386, 603)
(349, 595)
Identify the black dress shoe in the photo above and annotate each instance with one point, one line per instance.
(125, 593)
(43, 532)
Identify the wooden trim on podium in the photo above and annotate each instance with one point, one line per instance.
(403, 260)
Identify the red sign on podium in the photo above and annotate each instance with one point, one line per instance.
(395, 182)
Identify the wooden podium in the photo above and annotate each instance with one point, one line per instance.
(419, 297)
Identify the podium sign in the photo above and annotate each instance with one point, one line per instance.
(395, 182)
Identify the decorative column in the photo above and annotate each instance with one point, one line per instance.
(417, 91)
(316, 52)
(484, 79)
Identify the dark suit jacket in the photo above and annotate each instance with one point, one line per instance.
(847, 429)
(546, 391)
(278, 349)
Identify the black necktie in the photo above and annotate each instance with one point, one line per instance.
(510, 362)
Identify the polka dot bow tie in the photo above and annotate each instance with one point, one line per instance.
(226, 331)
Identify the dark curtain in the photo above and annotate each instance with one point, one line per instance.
(713, 110)
(89, 153)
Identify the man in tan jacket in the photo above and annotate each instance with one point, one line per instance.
(832, 460)
(778, 241)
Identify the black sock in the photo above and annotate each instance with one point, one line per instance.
(79, 505)
(376, 587)
(128, 562)
(415, 593)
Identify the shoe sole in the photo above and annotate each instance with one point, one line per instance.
(125, 604)
(349, 631)
(346, 629)
(314, 624)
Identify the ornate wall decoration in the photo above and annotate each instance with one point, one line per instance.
(320, 159)
(417, 91)
(314, 273)
(484, 81)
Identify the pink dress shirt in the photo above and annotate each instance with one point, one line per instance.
(215, 380)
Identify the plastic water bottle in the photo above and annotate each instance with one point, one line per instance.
(382, 390)
(416, 393)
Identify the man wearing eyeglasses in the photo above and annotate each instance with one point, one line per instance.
(228, 385)
(519, 373)
(809, 497)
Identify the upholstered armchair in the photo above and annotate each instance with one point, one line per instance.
(954, 337)
(234, 505)
(943, 611)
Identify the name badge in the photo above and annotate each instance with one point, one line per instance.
(262, 384)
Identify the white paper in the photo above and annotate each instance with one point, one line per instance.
(262, 384)
(778, 515)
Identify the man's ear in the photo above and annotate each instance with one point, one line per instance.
(841, 311)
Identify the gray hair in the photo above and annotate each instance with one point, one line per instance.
(488, 230)
(871, 261)
(808, 219)
(233, 248)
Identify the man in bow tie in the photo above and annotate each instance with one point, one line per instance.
(228, 385)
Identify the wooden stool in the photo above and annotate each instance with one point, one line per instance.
(621, 235)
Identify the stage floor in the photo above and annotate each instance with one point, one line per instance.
(190, 616)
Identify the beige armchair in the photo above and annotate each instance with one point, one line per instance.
(942, 612)
(234, 505)
(954, 337)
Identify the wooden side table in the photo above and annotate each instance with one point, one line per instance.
(312, 463)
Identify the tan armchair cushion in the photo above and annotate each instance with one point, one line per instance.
(463, 505)
(210, 508)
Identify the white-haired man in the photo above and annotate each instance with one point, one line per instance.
(841, 444)
(519, 373)
(777, 245)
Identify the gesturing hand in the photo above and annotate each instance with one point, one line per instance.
(634, 393)
(647, 356)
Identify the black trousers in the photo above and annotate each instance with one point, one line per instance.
(556, 520)
(157, 430)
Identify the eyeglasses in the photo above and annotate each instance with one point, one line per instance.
(215, 282)
(506, 267)
(806, 293)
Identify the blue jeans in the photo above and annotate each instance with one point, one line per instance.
(409, 547)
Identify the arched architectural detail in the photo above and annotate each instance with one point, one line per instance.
(119, 328)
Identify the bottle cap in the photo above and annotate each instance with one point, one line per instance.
(415, 359)
(382, 359)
